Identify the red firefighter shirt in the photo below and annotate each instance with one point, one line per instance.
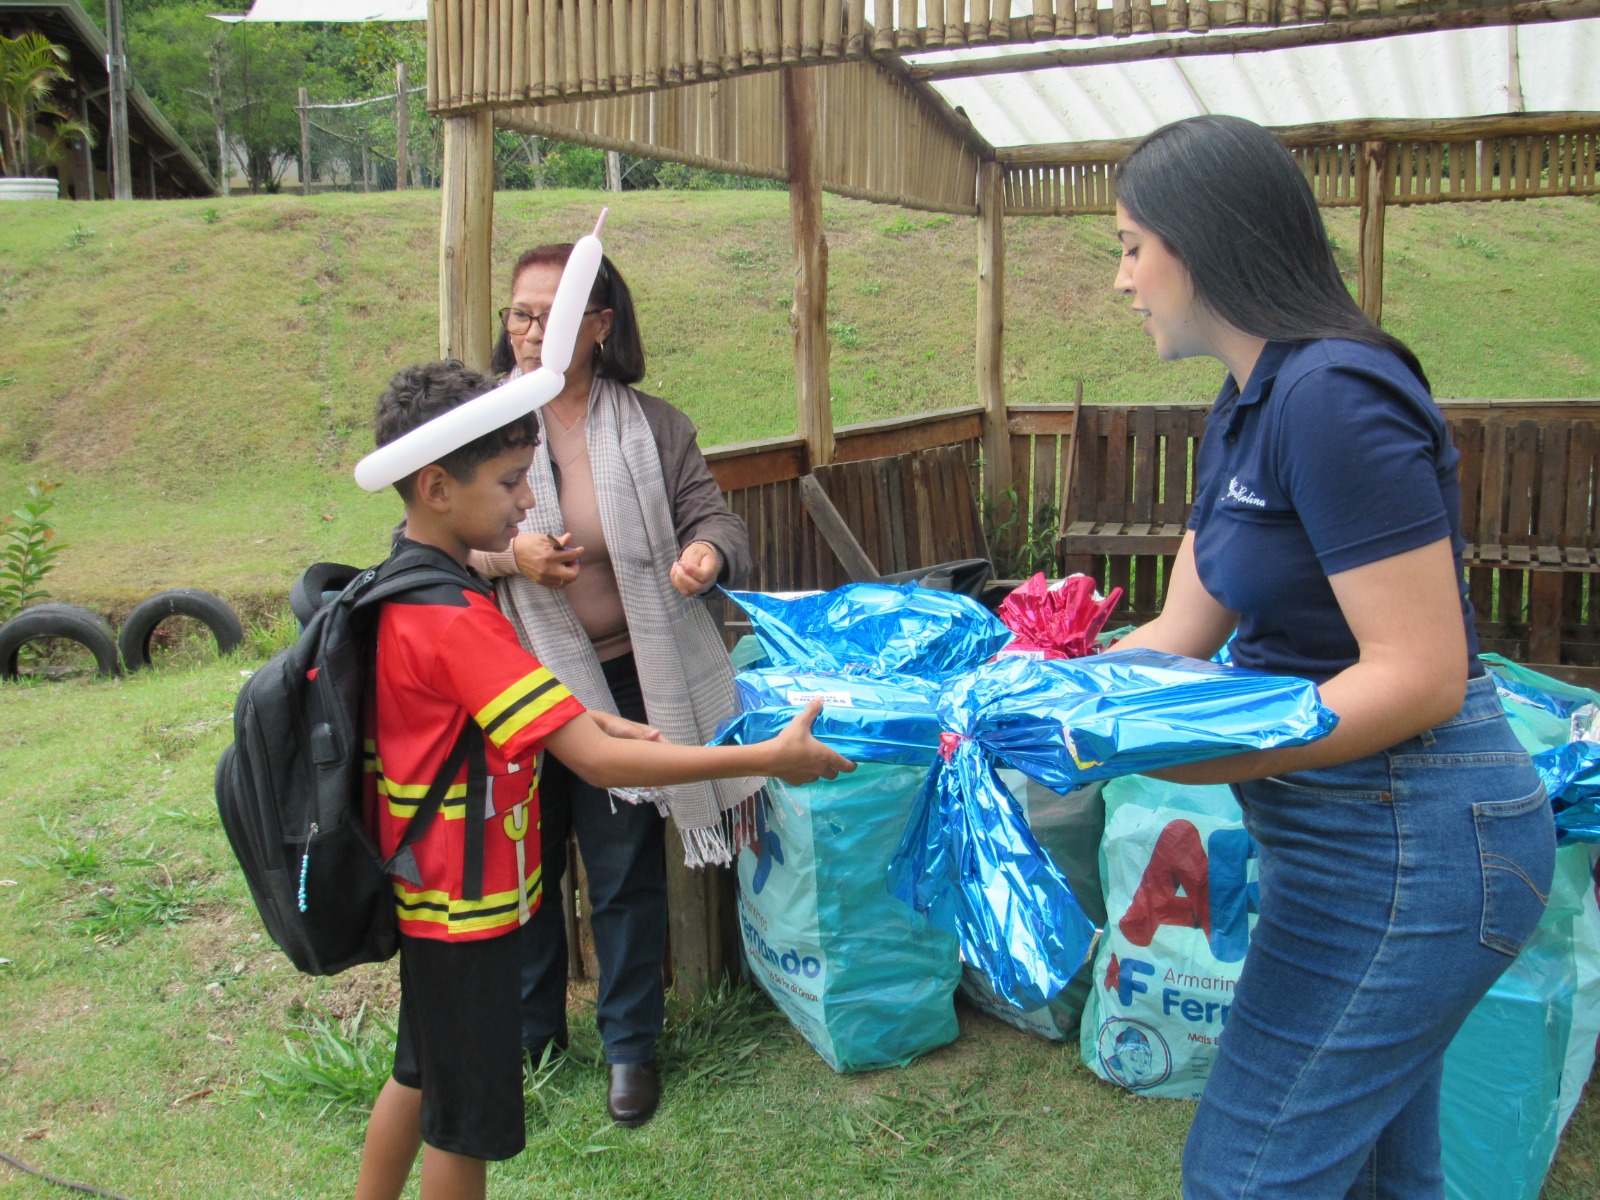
(447, 655)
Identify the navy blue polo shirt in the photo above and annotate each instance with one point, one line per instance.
(1334, 456)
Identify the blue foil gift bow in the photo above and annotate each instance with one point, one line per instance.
(967, 859)
(1571, 778)
(876, 629)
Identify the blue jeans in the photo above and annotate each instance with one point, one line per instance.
(1394, 891)
(624, 857)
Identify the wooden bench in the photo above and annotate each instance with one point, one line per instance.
(1529, 518)
(1530, 500)
(1127, 491)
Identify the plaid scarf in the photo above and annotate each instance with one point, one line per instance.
(684, 671)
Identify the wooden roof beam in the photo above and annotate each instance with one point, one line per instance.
(1332, 32)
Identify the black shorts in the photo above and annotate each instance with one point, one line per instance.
(460, 1042)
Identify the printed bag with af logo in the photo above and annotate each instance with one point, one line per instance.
(1179, 874)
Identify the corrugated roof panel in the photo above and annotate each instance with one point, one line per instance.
(1560, 66)
(1456, 73)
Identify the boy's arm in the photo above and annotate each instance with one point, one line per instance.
(601, 760)
(621, 727)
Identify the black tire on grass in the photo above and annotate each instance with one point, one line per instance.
(211, 611)
(68, 621)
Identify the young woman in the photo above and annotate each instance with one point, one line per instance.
(1404, 859)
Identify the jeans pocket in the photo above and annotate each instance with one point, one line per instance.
(1516, 854)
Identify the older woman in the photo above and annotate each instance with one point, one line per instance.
(628, 531)
(1404, 859)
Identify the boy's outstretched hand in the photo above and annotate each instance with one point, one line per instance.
(800, 757)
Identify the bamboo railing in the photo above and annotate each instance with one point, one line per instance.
(1537, 155)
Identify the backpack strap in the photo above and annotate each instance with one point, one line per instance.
(477, 795)
(433, 800)
(469, 747)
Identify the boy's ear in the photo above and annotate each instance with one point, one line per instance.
(435, 488)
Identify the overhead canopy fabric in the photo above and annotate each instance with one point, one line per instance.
(338, 10)
(1455, 73)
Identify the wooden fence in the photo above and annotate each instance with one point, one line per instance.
(1530, 473)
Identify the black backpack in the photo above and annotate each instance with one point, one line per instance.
(289, 789)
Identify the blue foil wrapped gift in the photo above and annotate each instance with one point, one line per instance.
(904, 677)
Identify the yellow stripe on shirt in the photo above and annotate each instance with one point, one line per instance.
(524, 702)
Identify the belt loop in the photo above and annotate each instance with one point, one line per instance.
(1426, 738)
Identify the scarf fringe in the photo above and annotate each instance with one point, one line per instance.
(718, 845)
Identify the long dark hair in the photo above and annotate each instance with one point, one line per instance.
(622, 356)
(1230, 202)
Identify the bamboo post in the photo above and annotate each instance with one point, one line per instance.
(1374, 164)
(304, 108)
(978, 27)
(655, 56)
(991, 337)
(905, 34)
(789, 47)
(809, 317)
(833, 19)
(465, 329)
(1043, 22)
(855, 29)
(402, 84)
(810, 29)
(586, 47)
(672, 35)
(749, 33)
(883, 25)
(770, 41)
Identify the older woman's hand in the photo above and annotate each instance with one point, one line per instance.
(551, 561)
(696, 569)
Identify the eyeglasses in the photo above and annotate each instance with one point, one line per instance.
(517, 322)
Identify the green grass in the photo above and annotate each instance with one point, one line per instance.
(172, 1051)
(199, 374)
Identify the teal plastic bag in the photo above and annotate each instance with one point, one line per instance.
(1514, 1072)
(1181, 896)
(867, 981)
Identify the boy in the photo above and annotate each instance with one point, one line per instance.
(447, 656)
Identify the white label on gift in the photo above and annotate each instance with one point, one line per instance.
(839, 699)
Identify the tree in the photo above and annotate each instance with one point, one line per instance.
(229, 88)
(30, 67)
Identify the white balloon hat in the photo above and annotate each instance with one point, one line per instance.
(517, 398)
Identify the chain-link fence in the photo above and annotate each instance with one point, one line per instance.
(361, 145)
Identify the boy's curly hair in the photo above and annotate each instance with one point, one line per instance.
(418, 394)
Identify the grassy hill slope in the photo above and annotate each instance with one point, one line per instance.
(199, 374)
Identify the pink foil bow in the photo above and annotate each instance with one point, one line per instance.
(1059, 621)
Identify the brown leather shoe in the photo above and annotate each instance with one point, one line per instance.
(634, 1093)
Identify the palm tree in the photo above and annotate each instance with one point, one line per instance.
(30, 66)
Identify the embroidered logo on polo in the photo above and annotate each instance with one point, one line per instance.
(1239, 494)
